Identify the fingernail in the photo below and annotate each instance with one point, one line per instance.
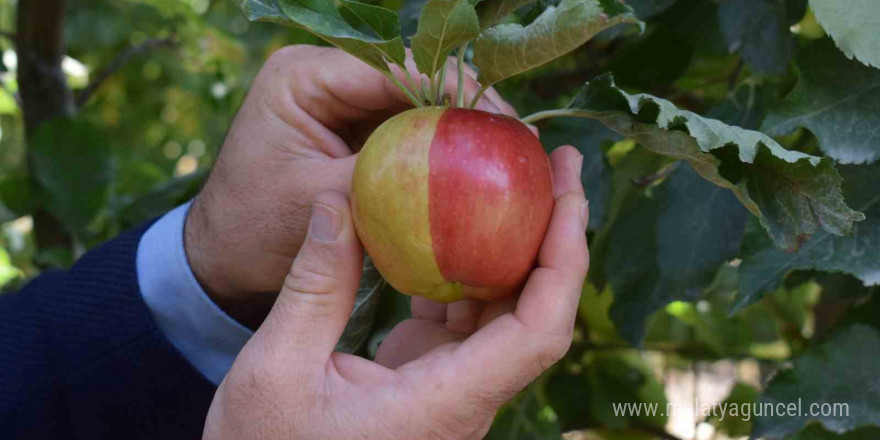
(579, 165)
(585, 211)
(326, 223)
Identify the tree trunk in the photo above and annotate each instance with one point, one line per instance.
(43, 89)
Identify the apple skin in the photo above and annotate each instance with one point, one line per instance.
(452, 203)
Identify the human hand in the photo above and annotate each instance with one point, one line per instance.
(438, 375)
(308, 111)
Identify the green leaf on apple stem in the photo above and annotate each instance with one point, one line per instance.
(509, 49)
(443, 26)
(492, 12)
(371, 33)
(792, 193)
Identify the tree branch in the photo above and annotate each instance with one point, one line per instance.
(40, 49)
(42, 87)
(8, 35)
(118, 62)
(644, 181)
(733, 78)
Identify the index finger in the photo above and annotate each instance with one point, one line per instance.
(351, 90)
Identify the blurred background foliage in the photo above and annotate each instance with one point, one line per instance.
(154, 85)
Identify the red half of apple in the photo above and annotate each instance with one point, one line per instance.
(452, 203)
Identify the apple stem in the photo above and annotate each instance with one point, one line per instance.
(459, 95)
(412, 83)
(557, 113)
(478, 96)
(406, 91)
(441, 85)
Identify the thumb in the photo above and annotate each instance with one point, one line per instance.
(318, 294)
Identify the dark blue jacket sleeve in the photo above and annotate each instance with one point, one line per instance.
(80, 358)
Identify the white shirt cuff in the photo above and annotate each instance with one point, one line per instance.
(205, 335)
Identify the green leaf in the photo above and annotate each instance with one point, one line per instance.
(758, 31)
(589, 139)
(710, 329)
(393, 308)
(492, 12)
(865, 313)
(70, 162)
(409, 16)
(443, 26)
(667, 246)
(377, 44)
(509, 49)
(741, 395)
(747, 106)
(764, 266)
(795, 10)
(837, 99)
(8, 271)
(853, 26)
(833, 284)
(792, 193)
(839, 371)
(366, 302)
(816, 432)
(645, 9)
(16, 198)
(566, 392)
(620, 378)
(525, 418)
(588, 397)
(653, 59)
(630, 168)
(593, 311)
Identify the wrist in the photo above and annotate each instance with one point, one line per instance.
(213, 263)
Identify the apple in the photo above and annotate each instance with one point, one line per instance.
(452, 203)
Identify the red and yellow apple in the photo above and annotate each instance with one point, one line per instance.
(452, 203)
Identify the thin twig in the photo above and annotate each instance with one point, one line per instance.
(644, 181)
(8, 35)
(733, 78)
(118, 62)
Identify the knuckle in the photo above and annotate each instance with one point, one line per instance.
(287, 55)
(581, 264)
(551, 349)
(308, 281)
